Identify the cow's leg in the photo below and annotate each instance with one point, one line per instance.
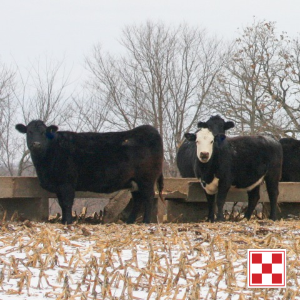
(65, 195)
(149, 203)
(211, 207)
(221, 197)
(253, 198)
(273, 192)
(136, 207)
(144, 196)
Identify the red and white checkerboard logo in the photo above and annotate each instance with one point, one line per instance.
(266, 268)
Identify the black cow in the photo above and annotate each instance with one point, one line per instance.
(66, 162)
(240, 162)
(187, 151)
(291, 160)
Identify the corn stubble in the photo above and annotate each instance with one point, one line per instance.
(157, 261)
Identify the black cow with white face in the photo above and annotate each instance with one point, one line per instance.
(291, 161)
(241, 162)
(66, 162)
(187, 151)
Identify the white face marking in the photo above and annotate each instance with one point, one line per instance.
(204, 142)
(211, 188)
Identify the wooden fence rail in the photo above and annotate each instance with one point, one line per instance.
(185, 197)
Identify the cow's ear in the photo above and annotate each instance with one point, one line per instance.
(202, 125)
(190, 136)
(220, 138)
(52, 129)
(228, 125)
(21, 128)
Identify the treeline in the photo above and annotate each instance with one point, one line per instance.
(167, 76)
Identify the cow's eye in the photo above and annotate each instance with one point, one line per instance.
(212, 142)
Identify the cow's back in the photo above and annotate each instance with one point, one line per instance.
(111, 161)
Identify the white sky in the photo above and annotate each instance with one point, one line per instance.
(32, 29)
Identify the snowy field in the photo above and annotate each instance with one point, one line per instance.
(167, 261)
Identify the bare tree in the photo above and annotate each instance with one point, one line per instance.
(282, 83)
(45, 92)
(239, 92)
(163, 79)
(8, 148)
(259, 87)
(88, 113)
(109, 90)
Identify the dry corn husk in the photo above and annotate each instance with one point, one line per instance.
(157, 261)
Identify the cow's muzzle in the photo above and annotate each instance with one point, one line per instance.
(204, 156)
(35, 146)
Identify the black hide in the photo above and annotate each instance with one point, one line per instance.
(66, 162)
(291, 160)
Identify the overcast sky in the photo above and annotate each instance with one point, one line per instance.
(31, 29)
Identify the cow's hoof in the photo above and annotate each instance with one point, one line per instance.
(210, 219)
(247, 217)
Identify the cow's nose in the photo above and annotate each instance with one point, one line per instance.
(36, 145)
(204, 155)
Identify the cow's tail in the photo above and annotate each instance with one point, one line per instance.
(160, 187)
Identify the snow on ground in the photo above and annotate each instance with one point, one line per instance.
(166, 261)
